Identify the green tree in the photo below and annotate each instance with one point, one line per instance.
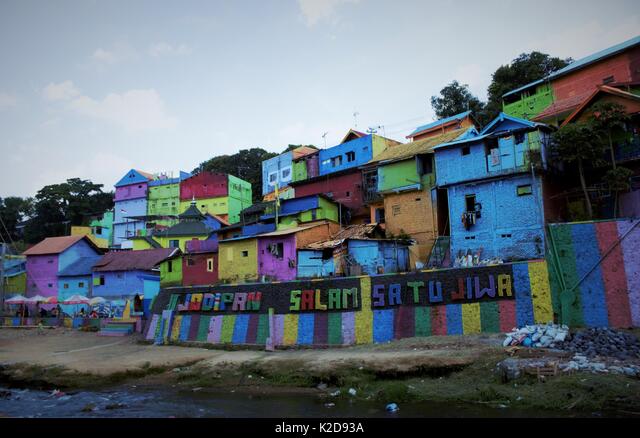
(619, 181)
(14, 210)
(455, 98)
(579, 143)
(609, 119)
(245, 164)
(59, 206)
(526, 68)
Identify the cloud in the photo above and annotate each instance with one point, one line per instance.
(118, 53)
(7, 100)
(315, 11)
(165, 49)
(62, 91)
(134, 110)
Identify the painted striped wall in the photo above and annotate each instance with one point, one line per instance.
(533, 304)
(607, 255)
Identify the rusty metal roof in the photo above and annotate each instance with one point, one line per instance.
(144, 260)
(56, 245)
(408, 150)
(360, 231)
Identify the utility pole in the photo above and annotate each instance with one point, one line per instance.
(2, 254)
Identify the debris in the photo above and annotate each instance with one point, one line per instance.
(329, 405)
(57, 393)
(115, 406)
(89, 407)
(197, 389)
(392, 407)
(352, 391)
(335, 393)
(540, 335)
(322, 386)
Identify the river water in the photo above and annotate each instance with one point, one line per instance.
(154, 402)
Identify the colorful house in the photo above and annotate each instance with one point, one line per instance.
(553, 98)
(192, 225)
(47, 259)
(130, 209)
(352, 153)
(304, 209)
(75, 279)
(163, 201)
(495, 191)
(354, 250)
(127, 275)
(200, 263)
(102, 229)
(14, 274)
(462, 121)
(268, 256)
(278, 171)
(216, 194)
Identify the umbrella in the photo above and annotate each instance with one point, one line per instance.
(37, 299)
(97, 300)
(76, 299)
(17, 299)
(52, 300)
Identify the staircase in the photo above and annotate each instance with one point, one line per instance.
(117, 328)
(440, 256)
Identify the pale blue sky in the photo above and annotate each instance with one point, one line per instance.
(91, 89)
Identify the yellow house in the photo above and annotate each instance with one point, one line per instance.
(86, 231)
(238, 260)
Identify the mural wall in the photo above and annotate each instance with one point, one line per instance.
(356, 310)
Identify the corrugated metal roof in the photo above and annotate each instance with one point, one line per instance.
(417, 147)
(356, 232)
(583, 62)
(277, 233)
(56, 245)
(303, 151)
(440, 122)
(81, 267)
(601, 89)
(144, 260)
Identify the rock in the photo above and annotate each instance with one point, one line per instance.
(89, 407)
(322, 386)
(335, 393)
(352, 391)
(509, 369)
(329, 405)
(115, 406)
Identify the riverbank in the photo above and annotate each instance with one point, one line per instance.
(447, 369)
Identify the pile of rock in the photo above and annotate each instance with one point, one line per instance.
(603, 342)
(582, 363)
(538, 335)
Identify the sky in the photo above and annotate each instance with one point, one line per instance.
(91, 89)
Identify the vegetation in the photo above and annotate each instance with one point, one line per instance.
(454, 99)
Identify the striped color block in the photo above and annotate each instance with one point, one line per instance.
(439, 320)
(203, 328)
(631, 255)
(228, 324)
(278, 329)
(349, 328)
(151, 330)
(490, 317)
(335, 328)
(422, 320)
(321, 329)
(306, 328)
(364, 318)
(194, 326)
(404, 322)
(383, 325)
(522, 287)
(454, 319)
(290, 329)
(184, 328)
(540, 292)
(471, 318)
(240, 329)
(215, 329)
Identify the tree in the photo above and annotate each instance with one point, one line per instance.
(526, 68)
(619, 180)
(609, 117)
(59, 206)
(454, 99)
(246, 164)
(579, 143)
(14, 210)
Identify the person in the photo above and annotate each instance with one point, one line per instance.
(59, 311)
(26, 311)
(93, 314)
(82, 314)
(54, 312)
(43, 312)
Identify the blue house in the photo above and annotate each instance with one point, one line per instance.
(352, 153)
(279, 169)
(495, 190)
(131, 275)
(75, 279)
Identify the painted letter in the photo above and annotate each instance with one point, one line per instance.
(334, 299)
(378, 295)
(459, 294)
(435, 296)
(415, 285)
(207, 302)
(394, 294)
(295, 300)
(253, 300)
(196, 300)
(504, 285)
(354, 298)
(491, 291)
(319, 305)
(307, 300)
(239, 302)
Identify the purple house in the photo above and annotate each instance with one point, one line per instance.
(277, 255)
(53, 255)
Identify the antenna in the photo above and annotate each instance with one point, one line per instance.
(324, 136)
(372, 130)
(355, 118)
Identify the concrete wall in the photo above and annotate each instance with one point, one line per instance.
(121, 284)
(277, 170)
(357, 310)
(235, 267)
(132, 191)
(345, 189)
(42, 275)
(609, 295)
(204, 185)
(164, 199)
(510, 226)
(198, 273)
(312, 265)
(378, 257)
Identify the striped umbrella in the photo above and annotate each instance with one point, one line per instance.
(17, 299)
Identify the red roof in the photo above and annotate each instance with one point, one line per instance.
(562, 106)
(143, 260)
(56, 245)
(601, 89)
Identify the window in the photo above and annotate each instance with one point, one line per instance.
(418, 199)
(66, 286)
(348, 194)
(190, 261)
(209, 265)
(466, 150)
(81, 284)
(286, 174)
(336, 161)
(395, 210)
(351, 156)
(50, 261)
(505, 236)
(245, 253)
(608, 80)
(50, 285)
(519, 137)
(273, 177)
(380, 215)
(119, 275)
(524, 190)
(102, 280)
(470, 202)
(174, 243)
(98, 230)
(169, 266)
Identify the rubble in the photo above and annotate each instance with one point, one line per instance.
(538, 335)
(604, 342)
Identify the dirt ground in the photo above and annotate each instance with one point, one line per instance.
(85, 352)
